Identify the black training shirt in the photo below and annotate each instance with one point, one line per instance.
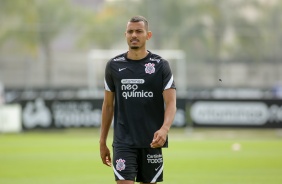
(139, 104)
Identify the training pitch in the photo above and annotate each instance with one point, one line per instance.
(194, 156)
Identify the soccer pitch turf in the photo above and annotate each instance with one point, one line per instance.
(197, 156)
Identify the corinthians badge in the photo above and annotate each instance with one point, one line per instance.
(150, 68)
(120, 164)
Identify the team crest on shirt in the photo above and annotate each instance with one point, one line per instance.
(150, 68)
(120, 164)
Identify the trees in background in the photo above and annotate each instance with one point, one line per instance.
(28, 28)
(216, 30)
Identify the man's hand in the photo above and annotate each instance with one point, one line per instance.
(105, 155)
(159, 138)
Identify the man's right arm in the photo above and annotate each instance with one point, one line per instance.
(107, 116)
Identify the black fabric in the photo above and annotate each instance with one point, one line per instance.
(139, 104)
(138, 164)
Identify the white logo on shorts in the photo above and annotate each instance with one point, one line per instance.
(158, 167)
(120, 164)
(155, 159)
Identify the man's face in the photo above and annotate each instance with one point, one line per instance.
(136, 35)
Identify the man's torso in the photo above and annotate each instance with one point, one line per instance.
(139, 105)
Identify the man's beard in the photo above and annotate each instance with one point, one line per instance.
(134, 47)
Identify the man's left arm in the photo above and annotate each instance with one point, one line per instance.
(160, 136)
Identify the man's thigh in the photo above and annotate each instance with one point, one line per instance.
(125, 164)
(143, 164)
(150, 165)
(125, 182)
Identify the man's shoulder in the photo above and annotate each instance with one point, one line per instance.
(118, 58)
(156, 58)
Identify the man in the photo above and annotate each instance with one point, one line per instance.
(140, 95)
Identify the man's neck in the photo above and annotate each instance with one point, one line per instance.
(136, 54)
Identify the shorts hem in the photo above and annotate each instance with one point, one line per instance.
(124, 179)
(149, 181)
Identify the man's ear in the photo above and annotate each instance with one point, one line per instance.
(149, 35)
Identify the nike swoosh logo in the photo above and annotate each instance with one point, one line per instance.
(158, 168)
(120, 69)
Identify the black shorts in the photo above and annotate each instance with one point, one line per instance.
(138, 164)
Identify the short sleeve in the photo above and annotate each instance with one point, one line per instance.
(108, 80)
(168, 81)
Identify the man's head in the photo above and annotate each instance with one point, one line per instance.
(137, 32)
(140, 19)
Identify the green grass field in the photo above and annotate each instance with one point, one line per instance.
(199, 156)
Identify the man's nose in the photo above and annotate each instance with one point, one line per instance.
(134, 34)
